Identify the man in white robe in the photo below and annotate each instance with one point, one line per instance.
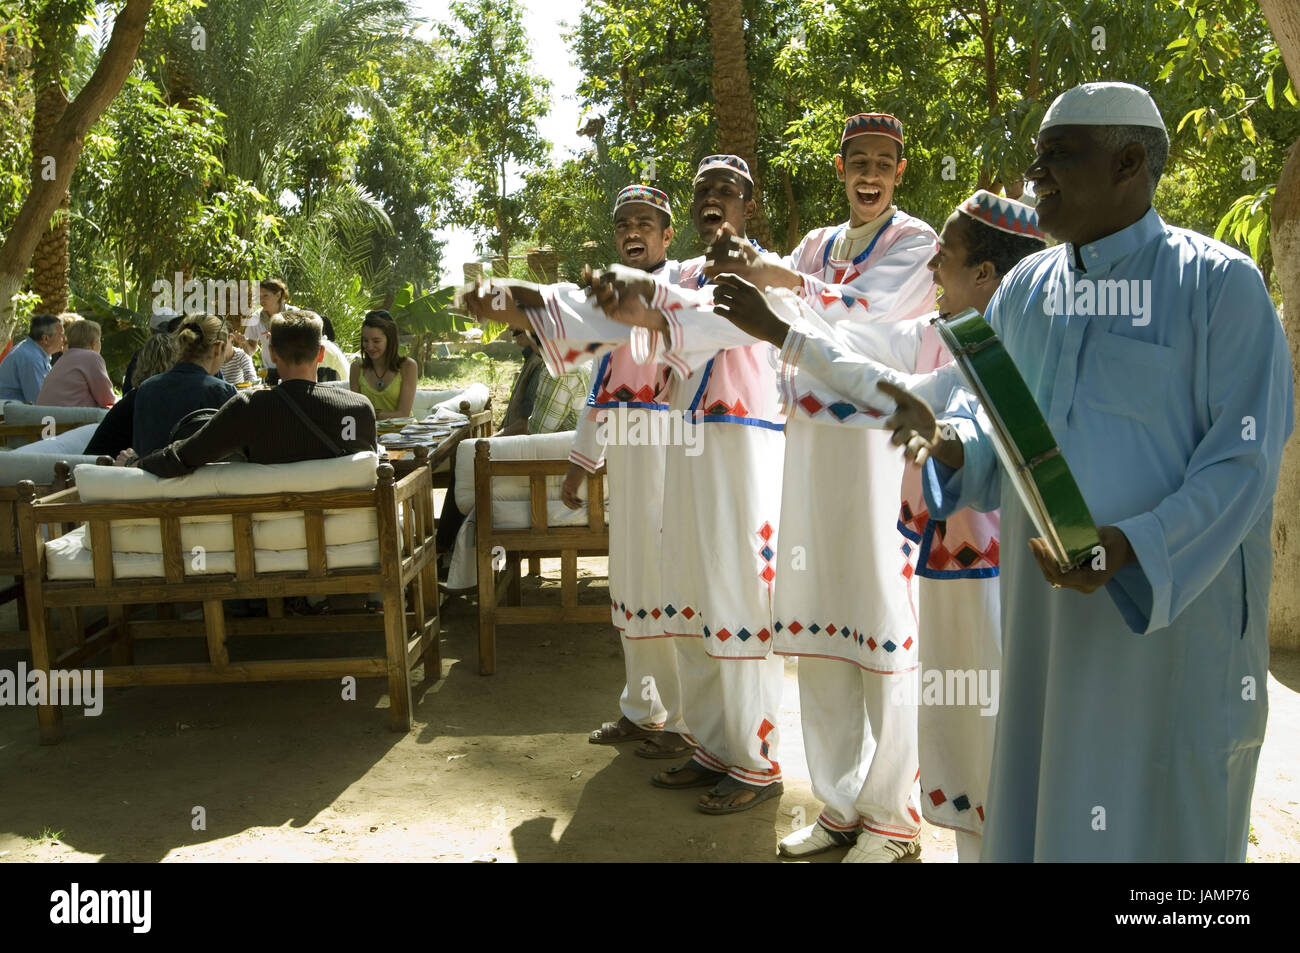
(624, 392)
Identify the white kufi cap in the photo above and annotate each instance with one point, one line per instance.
(1103, 104)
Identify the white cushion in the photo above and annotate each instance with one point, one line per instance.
(542, 446)
(69, 442)
(271, 531)
(428, 401)
(111, 484)
(69, 557)
(463, 571)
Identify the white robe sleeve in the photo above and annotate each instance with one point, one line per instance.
(588, 450)
(572, 328)
(1184, 543)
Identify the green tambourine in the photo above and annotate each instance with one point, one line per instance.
(1023, 440)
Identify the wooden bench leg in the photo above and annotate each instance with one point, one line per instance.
(487, 601)
(275, 607)
(123, 645)
(49, 717)
(568, 578)
(428, 596)
(214, 622)
(534, 565)
(514, 591)
(399, 676)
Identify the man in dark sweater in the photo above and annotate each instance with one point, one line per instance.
(264, 427)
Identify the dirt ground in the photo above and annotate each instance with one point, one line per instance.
(495, 769)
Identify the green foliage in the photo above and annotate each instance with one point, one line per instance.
(499, 100)
(970, 80)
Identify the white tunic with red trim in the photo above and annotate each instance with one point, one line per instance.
(722, 480)
(955, 562)
(622, 430)
(843, 592)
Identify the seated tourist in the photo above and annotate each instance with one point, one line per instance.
(67, 319)
(24, 368)
(383, 374)
(162, 401)
(116, 431)
(296, 420)
(239, 369)
(80, 378)
(556, 406)
(162, 321)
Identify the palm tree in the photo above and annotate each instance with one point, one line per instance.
(280, 72)
(733, 99)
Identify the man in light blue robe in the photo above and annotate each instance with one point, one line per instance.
(1131, 720)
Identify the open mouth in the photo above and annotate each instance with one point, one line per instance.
(867, 195)
(711, 215)
(634, 249)
(1045, 192)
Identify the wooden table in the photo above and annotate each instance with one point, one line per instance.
(431, 453)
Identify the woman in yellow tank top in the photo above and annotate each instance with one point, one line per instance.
(382, 374)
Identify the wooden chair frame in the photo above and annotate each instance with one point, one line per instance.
(534, 542)
(406, 560)
(11, 558)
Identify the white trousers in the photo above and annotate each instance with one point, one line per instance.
(859, 735)
(732, 706)
(652, 697)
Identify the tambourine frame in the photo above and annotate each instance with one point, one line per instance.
(1024, 474)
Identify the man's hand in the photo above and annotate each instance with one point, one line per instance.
(127, 458)
(500, 299)
(621, 292)
(729, 254)
(747, 308)
(1115, 555)
(573, 481)
(917, 432)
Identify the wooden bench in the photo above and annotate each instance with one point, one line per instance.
(407, 565)
(11, 559)
(500, 550)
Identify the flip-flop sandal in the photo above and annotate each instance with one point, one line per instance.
(707, 778)
(729, 785)
(655, 747)
(616, 732)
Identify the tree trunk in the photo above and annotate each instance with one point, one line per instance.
(1284, 604)
(50, 260)
(64, 146)
(792, 235)
(733, 99)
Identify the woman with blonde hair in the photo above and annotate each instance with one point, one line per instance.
(383, 374)
(203, 345)
(80, 378)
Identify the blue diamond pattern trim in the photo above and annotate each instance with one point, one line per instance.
(961, 803)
